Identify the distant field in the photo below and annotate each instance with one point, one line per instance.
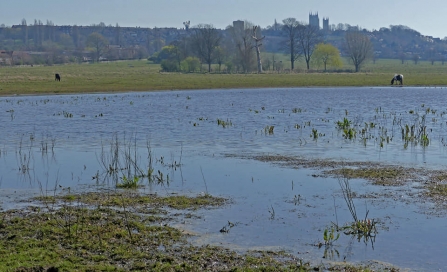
(143, 76)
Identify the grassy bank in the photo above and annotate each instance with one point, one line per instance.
(143, 76)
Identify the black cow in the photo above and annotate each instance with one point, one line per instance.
(399, 78)
(57, 77)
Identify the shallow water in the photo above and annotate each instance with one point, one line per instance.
(50, 143)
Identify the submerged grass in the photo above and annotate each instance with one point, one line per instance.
(136, 199)
(144, 76)
(438, 192)
(379, 175)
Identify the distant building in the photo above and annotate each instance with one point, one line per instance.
(326, 27)
(239, 25)
(314, 20)
(187, 24)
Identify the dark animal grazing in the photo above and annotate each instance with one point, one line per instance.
(399, 78)
(57, 77)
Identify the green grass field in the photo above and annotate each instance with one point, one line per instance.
(141, 75)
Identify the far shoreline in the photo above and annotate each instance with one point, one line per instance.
(209, 89)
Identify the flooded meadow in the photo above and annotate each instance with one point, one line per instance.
(326, 174)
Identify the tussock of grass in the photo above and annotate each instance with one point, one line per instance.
(128, 183)
(134, 199)
(438, 191)
(440, 177)
(379, 176)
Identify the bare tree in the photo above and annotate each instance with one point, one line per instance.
(375, 57)
(37, 29)
(245, 53)
(184, 47)
(118, 35)
(431, 55)
(205, 39)
(243, 43)
(11, 57)
(290, 32)
(257, 46)
(76, 37)
(50, 30)
(415, 58)
(155, 40)
(99, 44)
(308, 37)
(358, 47)
(402, 57)
(25, 32)
(276, 26)
(219, 55)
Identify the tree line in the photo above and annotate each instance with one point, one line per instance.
(235, 48)
(238, 48)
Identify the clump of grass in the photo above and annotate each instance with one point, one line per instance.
(329, 236)
(297, 110)
(133, 198)
(349, 133)
(128, 183)
(269, 129)
(437, 191)
(122, 164)
(345, 124)
(379, 175)
(224, 123)
(440, 177)
(416, 133)
(67, 114)
(315, 134)
(365, 228)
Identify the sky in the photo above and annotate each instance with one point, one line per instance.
(425, 16)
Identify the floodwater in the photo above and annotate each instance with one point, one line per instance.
(202, 141)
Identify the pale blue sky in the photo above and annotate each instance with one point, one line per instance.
(426, 16)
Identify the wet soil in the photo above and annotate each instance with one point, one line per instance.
(419, 184)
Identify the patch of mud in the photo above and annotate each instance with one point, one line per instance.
(16, 198)
(409, 184)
